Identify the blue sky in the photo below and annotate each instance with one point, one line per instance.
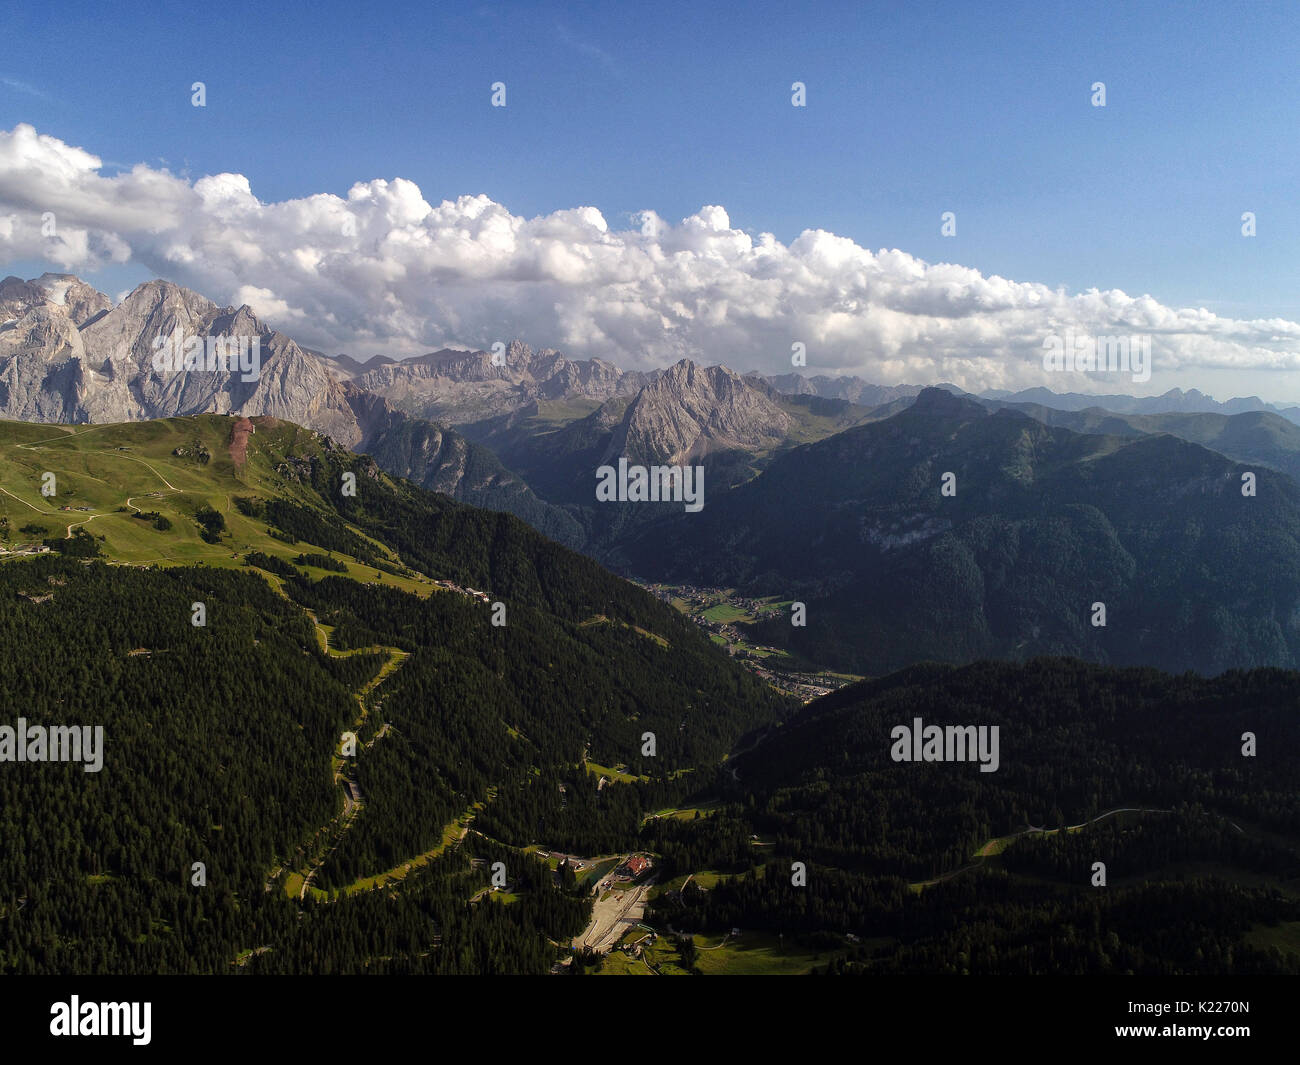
(912, 110)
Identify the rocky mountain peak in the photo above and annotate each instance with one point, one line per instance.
(81, 302)
(941, 402)
(151, 296)
(517, 352)
(690, 410)
(238, 323)
(17, 297)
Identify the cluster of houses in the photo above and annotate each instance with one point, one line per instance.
(452, 586)
(795, 685)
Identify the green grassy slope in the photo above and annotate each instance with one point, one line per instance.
(117, 471)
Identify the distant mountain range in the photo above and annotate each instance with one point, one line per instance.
(856, 390)
(460, 387)
(523, 430)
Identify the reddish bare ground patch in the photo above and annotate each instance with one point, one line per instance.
(239, 434)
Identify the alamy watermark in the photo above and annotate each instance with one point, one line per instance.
(946, 743)
(227, 354)
(1085, 353)
(654, 484)
(102, 1018)
(57, 743)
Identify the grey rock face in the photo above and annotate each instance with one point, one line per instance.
(690, 411)
(43, 375)
(460, 387)
(68, 355)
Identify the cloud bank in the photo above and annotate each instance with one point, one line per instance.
(386, 272)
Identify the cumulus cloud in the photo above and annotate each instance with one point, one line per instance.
(385, 271)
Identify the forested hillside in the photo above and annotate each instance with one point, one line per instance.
(226, 728)
(936, 866)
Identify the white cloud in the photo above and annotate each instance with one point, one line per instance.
(24, 88)
(384, 271)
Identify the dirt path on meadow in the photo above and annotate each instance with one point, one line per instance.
(239, 434)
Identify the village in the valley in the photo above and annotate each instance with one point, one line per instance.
(721, 612)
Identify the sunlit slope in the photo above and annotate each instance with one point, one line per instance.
(171, 467)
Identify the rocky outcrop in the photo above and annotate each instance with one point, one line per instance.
(690, 411)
